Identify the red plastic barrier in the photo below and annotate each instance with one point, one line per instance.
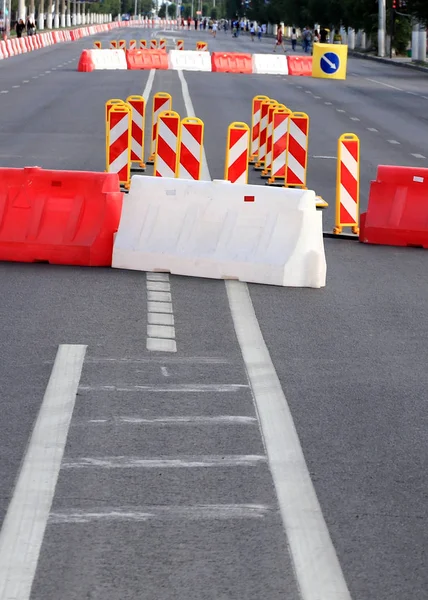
(231, 62)
(397, 214)
(147, 59)
(86, 64)
(300, 65)
(60, 217)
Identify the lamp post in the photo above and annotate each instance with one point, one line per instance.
(381, 28)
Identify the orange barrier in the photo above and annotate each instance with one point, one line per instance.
(147, 59)
(397, 213)
(60, 217)
(231, 62)
(300, 65)
(86, 64)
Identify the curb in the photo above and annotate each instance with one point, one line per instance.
(387, 61)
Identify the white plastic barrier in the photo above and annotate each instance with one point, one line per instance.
(189, 60)
(270, 64)
(106, 59)
(221, 230)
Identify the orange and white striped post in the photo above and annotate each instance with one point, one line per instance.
(191, 147)
(153, 44)
(179, 45)
(237, 151)
(297, 154)
(113, 44)
(110, 103)
(97, 44)
(263, 132)
(137, 104)
(118, 142)
(202, 46)
(143, 45)
(167, 144)
(132, 44)
(255, 126)
(348, 183)
(122, 44)
(279, 143)
(162, 44)
(269, 138)
(161, 102)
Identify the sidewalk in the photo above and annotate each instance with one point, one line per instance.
(402, 61)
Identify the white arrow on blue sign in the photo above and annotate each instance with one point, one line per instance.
(330, 63)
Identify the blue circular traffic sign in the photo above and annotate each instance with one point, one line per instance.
(330, 63)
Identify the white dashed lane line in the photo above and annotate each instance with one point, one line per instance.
(4, 92)
(393, 142)
(372, 129)
(15, 86)
(354, 118)
(340, 110)
(419, 156)
(328, 103)
(26, 81)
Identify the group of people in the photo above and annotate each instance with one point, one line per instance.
(29, 26)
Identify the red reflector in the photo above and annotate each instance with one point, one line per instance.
(249, 198)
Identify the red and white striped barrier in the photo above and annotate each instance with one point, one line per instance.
(161, 102)
(279, 143)
(255, 125)
(153, 44)
(143, 45)
(191, 148)
(118, 146)
(162, 44)
(167, 139)
(269, 138)
(132, 44)
(122, 44)
(264, 109)
(179, 45)
(348, 183)
(137, 104)
(113, 44)
(297, 155)
(237, 151)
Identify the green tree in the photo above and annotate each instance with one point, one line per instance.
(172, 10)
(187, 13)
(162, 11)
(214, 14)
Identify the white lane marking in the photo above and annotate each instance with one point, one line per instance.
(98, 421)
(412, 93)
(161, 345)
(340, 110)
(384, 84)
(24, 526)
(308, 537)
(144, 513)
(299, 87)
(205, 172)
(317, 97)
(160, 319)
(185, 388)
(328, 103)
(308, 92)
(373, 129)
(149, 84)
(393, 142)
(425, 97)
(186, 462)
(332, 157)
(160, 336)
(164, 371)
(16, 87)
(185, 420)
(418, 155)
(35, 77)
(26, 81)
(354, 118)
(4, 92)
(197, 360)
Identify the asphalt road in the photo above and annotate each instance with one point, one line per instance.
(164, 490)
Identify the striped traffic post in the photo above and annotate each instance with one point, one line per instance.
(179, 45)
(191, 149)
(118, 142)
(143, 45)
(269, 138)
(162, 44)
(137, 104)
(297, 154)
(161, 102)
(263, 132)
(348, 183)
(97, 44)
(110, 103)
(202, 46)
(255, 125)
(279, 144)
(113, 44)
(153, 44)
(167, 144)
(237, 151)
(132, 44)
(122, 44)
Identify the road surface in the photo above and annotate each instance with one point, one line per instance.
(165, 490)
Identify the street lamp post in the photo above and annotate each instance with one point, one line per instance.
(381, 28)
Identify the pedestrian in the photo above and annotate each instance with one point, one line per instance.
(19, 27)
(214, 29)
(259, 32)
(279, 39)
(307, 39)
(316, 37)
(323, 35)
(252, 32)
(196, 24)
(293, 39)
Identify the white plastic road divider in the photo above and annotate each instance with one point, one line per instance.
(220, 230)
(270, 64)
(189, 60)
(106, 59)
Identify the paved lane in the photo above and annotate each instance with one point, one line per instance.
(165, 490)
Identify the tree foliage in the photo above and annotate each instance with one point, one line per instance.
(172, 10)
(162, 11)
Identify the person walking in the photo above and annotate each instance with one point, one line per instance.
(279, 39)
(19, 27)
(293, 39)
(252, 31)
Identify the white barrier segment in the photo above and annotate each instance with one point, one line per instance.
(189, 60)
(220, 230)
(107, 59)
(270, 64)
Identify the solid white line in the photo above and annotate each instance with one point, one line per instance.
(180, 387)
(160, 319)
(205, 172)
(315, 561)
(161, 345)
(24, 526)
(186, 420)
(385, 84)
(188, 462)
(149, 84)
